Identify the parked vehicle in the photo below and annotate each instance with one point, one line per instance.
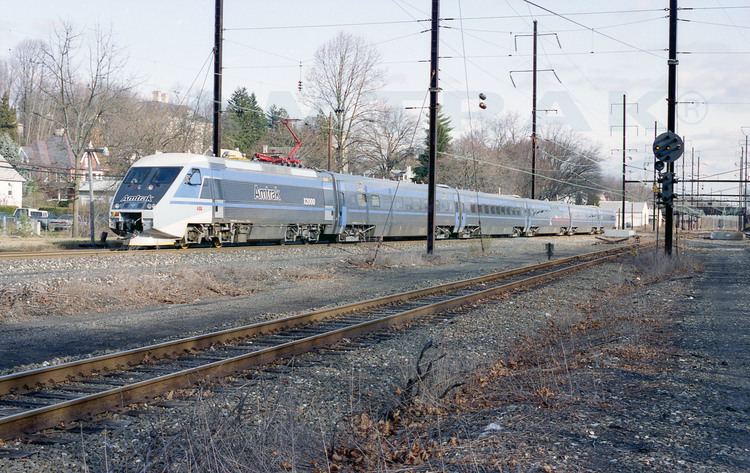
(33, 215)
(47, 222)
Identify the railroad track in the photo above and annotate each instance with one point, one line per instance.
(37, 399)
(142, 250)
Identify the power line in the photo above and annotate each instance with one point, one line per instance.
(525, 171)
(714, 24)
(594, 30)
(325, 25)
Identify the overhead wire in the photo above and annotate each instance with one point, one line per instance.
(525, 171)
(608, 36)
(471, 123)
(326, 25)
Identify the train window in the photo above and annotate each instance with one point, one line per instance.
(473, 208)
(375, 200)
(362, 200)
(193, 178)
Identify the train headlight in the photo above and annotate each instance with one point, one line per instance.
(149, 206)
(117, 206)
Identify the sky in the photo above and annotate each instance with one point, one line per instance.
(613, 48)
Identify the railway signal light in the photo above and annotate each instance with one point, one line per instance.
(667, 181)
(668, 147)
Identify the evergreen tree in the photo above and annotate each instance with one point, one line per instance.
(275, 114)
(245, 121)
(443, 146)
(8, 148)
(8, 123)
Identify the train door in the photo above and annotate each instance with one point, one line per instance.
(215, 193)
(460, 213)
(342, 211)
(331, 201)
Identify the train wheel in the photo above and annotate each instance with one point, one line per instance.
(181, 244)
(216, 242)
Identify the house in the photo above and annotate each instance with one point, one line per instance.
(11, 185)
(104, 190)
(51, 164)
(637, 214)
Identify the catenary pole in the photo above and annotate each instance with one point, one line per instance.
(533, 114)
(431, 174)
(653, 184)
(624, 150)
(218, 31)
(671, 116)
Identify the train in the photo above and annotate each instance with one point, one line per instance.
(189, 199)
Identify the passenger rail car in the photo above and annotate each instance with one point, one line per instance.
(187, 199)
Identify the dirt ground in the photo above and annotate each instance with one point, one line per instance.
(642, 365)
(652, 378)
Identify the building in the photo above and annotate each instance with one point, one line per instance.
(104, 190)
(50, 162)
(11, 185)
(637, 214)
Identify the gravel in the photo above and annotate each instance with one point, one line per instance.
(295, 408)
(132, 299)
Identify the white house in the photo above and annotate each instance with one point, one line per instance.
(104, 189)
(11, 185)
(637, 214)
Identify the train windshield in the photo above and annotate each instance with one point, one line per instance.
(143, 187)
(150, 178)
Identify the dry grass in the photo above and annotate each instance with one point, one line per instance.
(549, 369)
(46, 242)
(117, 291)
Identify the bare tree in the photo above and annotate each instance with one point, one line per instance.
(313, 133)
(5, 76)
(568, 168)
(81, 101)
(386, 142)
(343, 80)
(35, 109)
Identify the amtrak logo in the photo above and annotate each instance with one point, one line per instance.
(137, 198)
(267, 193)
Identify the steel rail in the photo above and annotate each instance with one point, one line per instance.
(48, 416)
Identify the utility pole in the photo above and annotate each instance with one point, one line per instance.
(89, 158)
(330, 139)
(624, 149)
(671, 116)
(692, 175)
(698, 180)
(534, 71)
(433, 125)
(533, 114)
(218, 31)
(653, 186)
(682, 212)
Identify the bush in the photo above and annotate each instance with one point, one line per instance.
(7, 209)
